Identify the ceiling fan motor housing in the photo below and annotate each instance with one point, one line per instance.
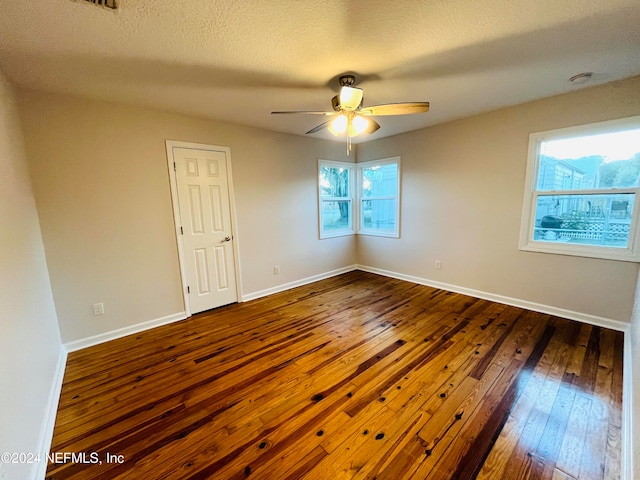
(335, 103)
(347, 80)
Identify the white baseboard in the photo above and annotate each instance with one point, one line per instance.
(297, 283)
(122, 332)
(49, 422)
(514, 302)
(139, 327)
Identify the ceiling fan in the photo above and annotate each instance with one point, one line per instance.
(351, 118)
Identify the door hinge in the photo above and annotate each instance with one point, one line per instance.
(174, 166)
(181, 232)
(188, 289)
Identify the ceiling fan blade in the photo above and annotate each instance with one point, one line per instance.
(319, 127)
(373, 126)
(303, 112)
(350, 97)
(396, 109)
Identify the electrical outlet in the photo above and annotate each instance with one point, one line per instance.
(98, 308)
(438, 265)
(276, 269)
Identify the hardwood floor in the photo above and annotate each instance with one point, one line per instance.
(357, 376)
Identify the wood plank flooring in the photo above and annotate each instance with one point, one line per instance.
(357, 376)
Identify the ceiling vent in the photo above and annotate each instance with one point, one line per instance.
(104, 3)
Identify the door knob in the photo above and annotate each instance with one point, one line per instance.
(226, 239)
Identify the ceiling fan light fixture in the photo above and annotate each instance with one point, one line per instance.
(339, 125)
(351, 97)
(352, 125)
(358, 125)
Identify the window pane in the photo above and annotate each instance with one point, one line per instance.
(334, 182)
(380, 181)
(379, 214)
(591, 161)
(602, 220)
(336, 215)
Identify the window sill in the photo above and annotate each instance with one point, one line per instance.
(336, 234)
(577, 250)
(375, 233)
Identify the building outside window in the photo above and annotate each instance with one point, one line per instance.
(379, 197)
(581, 191)
(375, 203)
(335, 202)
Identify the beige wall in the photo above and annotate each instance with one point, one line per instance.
(100, 177)
(462, 201)
(30, 346)
(101, 185)
(102, 189)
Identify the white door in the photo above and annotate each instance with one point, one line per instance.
(205, 215)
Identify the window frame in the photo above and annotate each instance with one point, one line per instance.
(531, 193)
(362, 230)
(351, 199)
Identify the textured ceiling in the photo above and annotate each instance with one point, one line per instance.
(237, 60)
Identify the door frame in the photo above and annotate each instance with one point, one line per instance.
(170, 145)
